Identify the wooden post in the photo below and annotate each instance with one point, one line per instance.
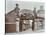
(33, 25)
(20, 24)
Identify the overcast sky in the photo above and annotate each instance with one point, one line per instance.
(10, 5)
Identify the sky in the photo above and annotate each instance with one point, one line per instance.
(10, 5)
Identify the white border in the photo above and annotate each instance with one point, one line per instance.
(2, 17)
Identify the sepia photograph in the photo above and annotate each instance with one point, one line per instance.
(24, 17)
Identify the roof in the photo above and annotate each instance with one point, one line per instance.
(26, 11)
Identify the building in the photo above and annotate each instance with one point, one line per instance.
(11, 20)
